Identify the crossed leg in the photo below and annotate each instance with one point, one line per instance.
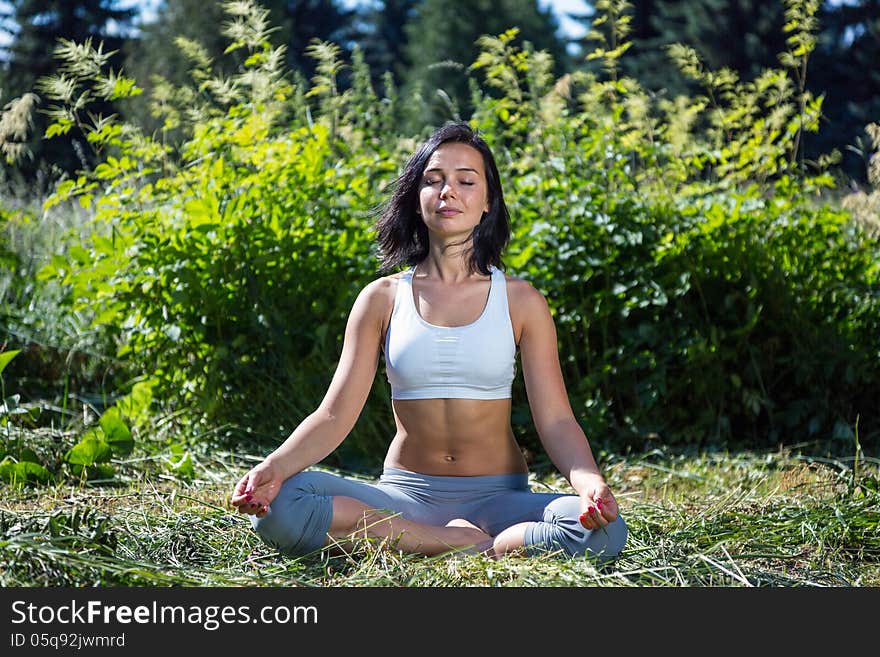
(353, 518)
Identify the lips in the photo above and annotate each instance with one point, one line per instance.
(448, 212)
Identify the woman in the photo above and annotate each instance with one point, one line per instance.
(449, 327)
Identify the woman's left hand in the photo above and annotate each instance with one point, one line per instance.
(598, 506)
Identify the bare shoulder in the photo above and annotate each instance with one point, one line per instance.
(524, 295)
(382, 285)
(380, 290)
(528, 308)
(376, 300)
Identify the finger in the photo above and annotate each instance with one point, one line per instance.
(256, 509)
(252, 508)
(242, 484)
(602, 509)
(607, 509)
(589, 518)
(241, 498)
(599, 511)
(253, 482)
(599, 519)
(586, 521)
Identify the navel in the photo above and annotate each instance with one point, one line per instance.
(449, 458)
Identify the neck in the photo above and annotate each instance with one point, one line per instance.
(445, 266)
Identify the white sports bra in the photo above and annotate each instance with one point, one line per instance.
(474, 361)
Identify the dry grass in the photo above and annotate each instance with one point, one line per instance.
(717, 519)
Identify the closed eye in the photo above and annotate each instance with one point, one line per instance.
(430, 181)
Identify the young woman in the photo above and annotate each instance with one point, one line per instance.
(449, 327)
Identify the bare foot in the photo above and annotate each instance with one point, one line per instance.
(481, 546)
(461, 522)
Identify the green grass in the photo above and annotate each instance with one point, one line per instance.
(777, 519)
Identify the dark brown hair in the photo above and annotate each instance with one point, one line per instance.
(401, 233)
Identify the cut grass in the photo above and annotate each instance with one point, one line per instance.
(704, 520)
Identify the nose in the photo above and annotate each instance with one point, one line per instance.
(446, 190)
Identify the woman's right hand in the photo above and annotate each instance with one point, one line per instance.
(256, 490)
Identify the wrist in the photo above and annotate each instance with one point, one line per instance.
(587, 481)
(276, 464)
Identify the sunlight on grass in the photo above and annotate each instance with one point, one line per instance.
(702, 520)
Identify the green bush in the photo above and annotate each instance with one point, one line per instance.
(733, 321)
(704, 288)
(59, 347)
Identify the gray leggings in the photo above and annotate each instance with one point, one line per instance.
(299, 517)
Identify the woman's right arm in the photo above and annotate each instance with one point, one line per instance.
(325, 429)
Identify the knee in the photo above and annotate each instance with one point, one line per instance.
(562, 531)
(298, 518)
(607, 543)
(574, 540)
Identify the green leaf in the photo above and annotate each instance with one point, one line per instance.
(184, 467)
(60, 127)
(135, 406)
(108, 315)
(10, 406)
(116, 432)
(23, 471)
(27, 454)
(101, 471)
(6, 357)
(90, 450)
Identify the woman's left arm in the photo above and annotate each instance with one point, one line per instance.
(560, 434)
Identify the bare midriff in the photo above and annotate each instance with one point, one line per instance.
(455, 437)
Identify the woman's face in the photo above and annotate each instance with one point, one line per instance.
(453, 192)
